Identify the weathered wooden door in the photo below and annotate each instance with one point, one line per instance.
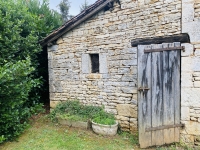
(159, 94)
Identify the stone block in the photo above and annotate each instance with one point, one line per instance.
(133, 120)
(133, 128)
(197, 138)
(134, 102)
(185, 113)
(127, 110)
(135, 95)
(51, 87)
(197, 84)
(186, 79)
(193, 119)
(128, 62)
(197, 110)
(128, 78)
(103, 67)
(58, 86)
(60, 41)
(191, 128)
(127, 90)
(186, 64)
(197, 52)
(54, 103)
(86, 63)
(191, 110)
(125, 125)
(196, 79)
(130, 50)
(187, 12)
(196, 64)
(52, 48)
(189, 50)
(50, 55)
(112, 111)
(122, 26)
(192, 29)
(122, 118)
(123, 70)
(185, 138)
(196, 74)
(94, 76)
(190, 97)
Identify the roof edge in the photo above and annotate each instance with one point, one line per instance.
(75, 21)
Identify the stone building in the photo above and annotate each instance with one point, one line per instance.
(94, 57)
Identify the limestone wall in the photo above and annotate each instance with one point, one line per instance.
(190, 70)
(197, 9)
(109, 33)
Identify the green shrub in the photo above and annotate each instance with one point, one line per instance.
(22, 24)
(74, 110)
(15, 86)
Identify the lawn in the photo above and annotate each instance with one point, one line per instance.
(44, 135)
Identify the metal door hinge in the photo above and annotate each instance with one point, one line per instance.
(165, 127)
(165, 49)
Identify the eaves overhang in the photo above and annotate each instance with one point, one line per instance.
(75, 21)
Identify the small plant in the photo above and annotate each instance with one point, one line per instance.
(104, 118)
(2, 138)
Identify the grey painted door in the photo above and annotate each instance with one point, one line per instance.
(158, 94)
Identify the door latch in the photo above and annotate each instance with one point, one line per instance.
(143, 89)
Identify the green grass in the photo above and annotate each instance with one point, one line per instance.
(44, 135)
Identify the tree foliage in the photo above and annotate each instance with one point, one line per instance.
(84, 5)
(64, 9)
(49, 19)
(22, 24)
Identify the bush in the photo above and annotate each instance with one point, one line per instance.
(73, 110)
(22, 24)
(15, 85)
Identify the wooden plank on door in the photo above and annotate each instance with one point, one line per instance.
(144, 96)
(157, 93)
(177, 91)
(168, 93)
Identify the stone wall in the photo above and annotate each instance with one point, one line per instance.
(197, 9)
(109, 33)
(190, 70)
